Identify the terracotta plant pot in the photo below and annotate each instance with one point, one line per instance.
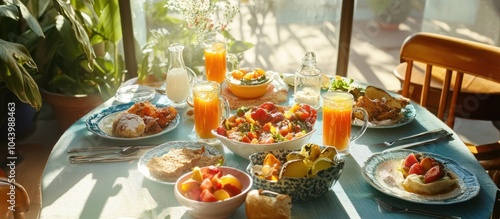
(68, 109)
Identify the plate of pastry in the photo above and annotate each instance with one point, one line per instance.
(133, 121)
(420, 177)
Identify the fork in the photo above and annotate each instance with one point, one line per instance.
(393, 208)
(426, 133)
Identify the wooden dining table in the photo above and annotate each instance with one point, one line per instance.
(119, 190)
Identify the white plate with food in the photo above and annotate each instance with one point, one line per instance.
(383, 172)
(101, 123)
(408, 114)
(385, 109)
(167, 162)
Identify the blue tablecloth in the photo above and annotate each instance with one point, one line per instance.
(114, 190)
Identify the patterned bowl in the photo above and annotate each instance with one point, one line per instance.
(299, 189)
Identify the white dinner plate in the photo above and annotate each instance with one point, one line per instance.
(409, 114)
(101, 123)
(380, 171)
(164, 148)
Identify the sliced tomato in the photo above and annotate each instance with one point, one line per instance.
(433, 174)
(252, 135)
(269, 106)
(410, 160)
(267, 127)
(416, 168)
(245, 139)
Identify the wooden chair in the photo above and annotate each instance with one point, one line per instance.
(437, 69)
(20, 201)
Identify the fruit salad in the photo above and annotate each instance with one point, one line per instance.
(304, 163)
(268, 123)
(210, 186)
(249, 76)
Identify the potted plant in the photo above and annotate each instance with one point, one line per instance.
(19, 94)
(78, 60)
(185, 22)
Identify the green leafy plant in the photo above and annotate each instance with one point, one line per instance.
(79, 54)
(185, 22)
(16, 63)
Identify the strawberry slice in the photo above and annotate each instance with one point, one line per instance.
(433, 174)
(416, 168)
(410, 160)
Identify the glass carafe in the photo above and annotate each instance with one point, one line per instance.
(307, 87)
(178, 78)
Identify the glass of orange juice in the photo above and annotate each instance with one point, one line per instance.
(337, 117)
(209, 108)
(215, 58)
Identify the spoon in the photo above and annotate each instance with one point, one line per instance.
(128, 151)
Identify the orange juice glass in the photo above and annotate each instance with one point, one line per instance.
(215, 60)
(209, 107)
(337, 118)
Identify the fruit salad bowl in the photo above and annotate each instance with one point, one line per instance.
(300, 189)
(219, 204)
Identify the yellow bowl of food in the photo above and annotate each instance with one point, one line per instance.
(249, 82)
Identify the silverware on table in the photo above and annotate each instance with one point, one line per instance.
(393, 208)
(124, 152)
(418, 143)
(105, 148)
(104, 159)
(412, 137)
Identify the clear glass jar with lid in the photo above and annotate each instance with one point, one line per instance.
(307, 86)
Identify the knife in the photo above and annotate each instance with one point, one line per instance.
(104, 159)
(105, 148)
(429, 133)
(428, 141)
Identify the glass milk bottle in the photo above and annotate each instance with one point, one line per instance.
(308, 82)
(178, 82)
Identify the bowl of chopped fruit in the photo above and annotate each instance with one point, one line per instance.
(213, 191)
(267, 127)
(303, 174)
(249, 82)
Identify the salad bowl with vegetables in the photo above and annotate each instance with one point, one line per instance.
(267, 127)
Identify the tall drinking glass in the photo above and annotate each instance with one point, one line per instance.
(337, 116)
(209, 108)
(215, 58)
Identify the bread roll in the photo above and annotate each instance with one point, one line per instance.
(267, 204)
(128, 125)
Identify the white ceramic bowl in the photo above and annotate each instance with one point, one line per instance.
(246, 149)
(219, 209)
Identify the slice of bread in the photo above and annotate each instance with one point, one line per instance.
(267, 204)
(176, 162)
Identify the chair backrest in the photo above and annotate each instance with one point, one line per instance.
(457, 56)
(13, 199)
